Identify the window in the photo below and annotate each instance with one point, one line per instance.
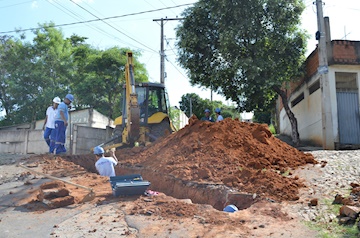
(315, 86)
(346, 81)
(297, 100)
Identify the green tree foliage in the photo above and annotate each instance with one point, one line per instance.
(174, 115)
(100, 77)
(243, 49)
(34, 72)
(198, 105)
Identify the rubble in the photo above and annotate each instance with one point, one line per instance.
(350, 209)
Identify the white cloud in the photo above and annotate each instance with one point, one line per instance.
(34, 4)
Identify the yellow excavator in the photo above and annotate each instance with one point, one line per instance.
(145, 112)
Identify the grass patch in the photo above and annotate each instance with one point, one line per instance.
(331, 229)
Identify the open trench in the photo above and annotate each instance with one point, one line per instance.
(216, 195)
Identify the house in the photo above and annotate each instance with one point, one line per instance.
(306, 97)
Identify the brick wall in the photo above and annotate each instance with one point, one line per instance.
(345, 52)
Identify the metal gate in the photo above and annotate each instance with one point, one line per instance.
(348, 118)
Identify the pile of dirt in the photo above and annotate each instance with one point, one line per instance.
(241, 155)
(164, 206)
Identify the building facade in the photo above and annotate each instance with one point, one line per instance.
(306, 97)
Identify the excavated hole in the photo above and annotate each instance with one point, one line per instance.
(216, 195)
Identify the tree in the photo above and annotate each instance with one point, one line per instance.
(174, 115)
(33, 72)
(100, 77)
(195, 103)
(198, 105)
(244, 49)
(7, 45)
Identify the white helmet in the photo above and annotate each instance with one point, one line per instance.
(57, 100)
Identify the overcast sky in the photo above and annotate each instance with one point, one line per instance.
(140, 32)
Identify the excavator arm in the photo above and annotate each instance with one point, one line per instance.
(133, 110)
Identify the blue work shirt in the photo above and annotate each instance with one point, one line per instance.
(62, 108)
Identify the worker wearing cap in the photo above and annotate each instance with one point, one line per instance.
(207, 116)
(218, 115)
(61, 122)
(105, 165)
(49, 124)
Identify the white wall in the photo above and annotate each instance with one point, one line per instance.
(308, 114)
(183, 119)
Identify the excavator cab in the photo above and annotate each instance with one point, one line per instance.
(152, 99)
(154, 121)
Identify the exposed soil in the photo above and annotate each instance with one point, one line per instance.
(240, 155)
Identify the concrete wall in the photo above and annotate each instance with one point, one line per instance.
(23, 142)
(98, 120)
(85, 117)
(31, 141)
(86, 138)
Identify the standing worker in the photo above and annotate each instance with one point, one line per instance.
(207, 116)
(218, 115)
(61, 122)
(49, 124)
(105, 165)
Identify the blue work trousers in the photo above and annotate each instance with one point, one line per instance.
(60, 138)
(50, 136)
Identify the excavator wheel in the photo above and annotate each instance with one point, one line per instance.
(160, 130)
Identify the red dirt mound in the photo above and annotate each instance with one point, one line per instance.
(238, 154)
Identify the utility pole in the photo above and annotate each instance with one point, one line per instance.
(191, 108)
(162, 52)
(323, 69)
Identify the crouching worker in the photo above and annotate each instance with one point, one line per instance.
(105, 165)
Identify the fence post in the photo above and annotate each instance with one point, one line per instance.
(27, 132)
(74, 139)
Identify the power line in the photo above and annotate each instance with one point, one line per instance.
(15, 4)
(167, 6)
(79, 17)
(172, 49)
(95, 20)
(113, 27)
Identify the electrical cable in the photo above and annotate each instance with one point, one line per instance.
(101, 19)
(113, 27)
(176, 68)
(15, 4)
(78, 17)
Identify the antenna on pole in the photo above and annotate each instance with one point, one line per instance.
(345, 34)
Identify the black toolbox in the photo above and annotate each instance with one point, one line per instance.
(128, 185)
